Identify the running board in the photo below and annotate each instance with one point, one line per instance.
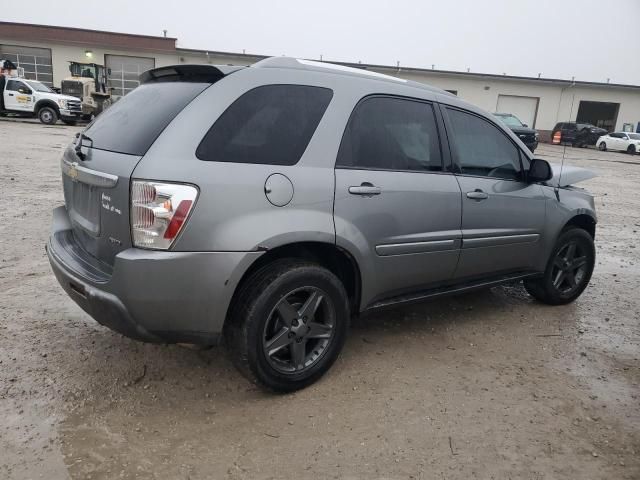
(449, 290)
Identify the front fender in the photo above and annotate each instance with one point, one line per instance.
(562, 209)
(46, 103)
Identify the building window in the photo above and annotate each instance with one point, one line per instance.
(36, 62)
(125, 72)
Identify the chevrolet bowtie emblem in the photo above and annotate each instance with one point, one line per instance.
(73, 171)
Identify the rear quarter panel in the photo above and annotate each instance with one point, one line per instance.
(232, 212)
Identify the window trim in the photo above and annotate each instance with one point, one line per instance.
(445, 158)
(454, 150)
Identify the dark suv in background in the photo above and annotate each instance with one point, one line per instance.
(576, 134)
(528, 135)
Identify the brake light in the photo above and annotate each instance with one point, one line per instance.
(159, 212)
(178, 219)
(556, 138)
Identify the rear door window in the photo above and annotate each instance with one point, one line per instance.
(391, 134)
(14, 85)
(269, 125)
(133, 123)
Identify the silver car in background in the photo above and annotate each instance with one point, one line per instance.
(266, 205)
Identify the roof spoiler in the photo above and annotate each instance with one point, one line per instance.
(188, 73)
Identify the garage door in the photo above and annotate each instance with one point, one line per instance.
(525, 108)
(35, 61)
(125, 72)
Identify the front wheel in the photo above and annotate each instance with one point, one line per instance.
(602, 147)
(631, 149)
(568, 270)
(288, 324)
(48, 115)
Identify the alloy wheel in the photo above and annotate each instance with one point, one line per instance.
(569, 269)
(299, 330)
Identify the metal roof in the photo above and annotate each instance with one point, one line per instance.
(250, 58)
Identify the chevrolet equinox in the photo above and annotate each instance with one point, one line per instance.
(266, 205)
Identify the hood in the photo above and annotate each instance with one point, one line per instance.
(56, 96)
(523, 130)
(570, 175)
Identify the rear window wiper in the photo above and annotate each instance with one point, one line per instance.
(81, 137)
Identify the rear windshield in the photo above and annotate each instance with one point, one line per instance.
(271, 125)
(134, 122)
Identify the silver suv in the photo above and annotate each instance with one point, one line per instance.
(266, 205)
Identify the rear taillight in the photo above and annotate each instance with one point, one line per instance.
(159, 211)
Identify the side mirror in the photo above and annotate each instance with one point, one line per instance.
(539, 171)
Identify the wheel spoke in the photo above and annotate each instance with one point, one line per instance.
(559, 278)
(279, 341)
(578, 262)
(319, 330)
(571, 279)
(298, 353)
(558, 262)
(311, 305)
(287, 312)
(571, 252)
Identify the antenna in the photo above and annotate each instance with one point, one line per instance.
(564, 148)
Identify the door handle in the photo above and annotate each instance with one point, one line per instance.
(365, 189)
(11, 94)
(477, 194)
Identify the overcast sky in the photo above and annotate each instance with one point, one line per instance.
(589, 39)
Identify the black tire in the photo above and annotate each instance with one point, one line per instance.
(48, 115)
(631, 149)
(256, 316)
(557, 286)
(602, 146)
(70, 122)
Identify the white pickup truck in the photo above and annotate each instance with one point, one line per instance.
(34, 99)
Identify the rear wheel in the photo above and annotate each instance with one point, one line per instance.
(48, 115)
(602, 146)
(631, 149)
(288, 324)
(568, 270)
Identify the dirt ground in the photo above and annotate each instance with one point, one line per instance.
(488, 385)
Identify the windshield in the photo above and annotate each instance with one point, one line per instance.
(510, 120)
(38, 87)
(634, 136)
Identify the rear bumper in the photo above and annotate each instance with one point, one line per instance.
(149, 295)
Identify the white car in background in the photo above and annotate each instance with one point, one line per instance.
(625, 141)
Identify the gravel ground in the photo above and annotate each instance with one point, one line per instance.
(482, 385)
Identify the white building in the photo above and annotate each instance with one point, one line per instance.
(44, 53)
